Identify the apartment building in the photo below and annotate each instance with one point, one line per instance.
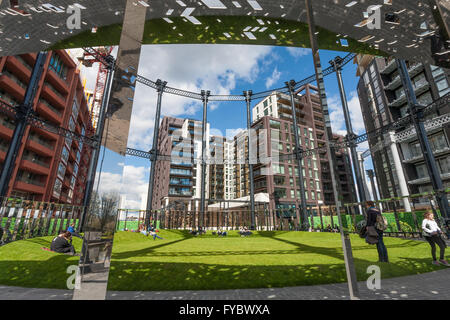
(48, 167)
(273, 115)
(398, 160)
(178, 171)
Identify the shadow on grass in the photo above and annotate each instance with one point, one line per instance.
(158, 276)
(50, 273)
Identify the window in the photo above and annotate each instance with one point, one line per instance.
(57, 188)
(275, 124)
(444, 165)
(75, 169)
(293, 194)
(442, 86)
(279, 180)
(61, 170)
(438, 142)
(421, 171)
(75, 110)
(278, 168)
(279, 193)
(64, 155)
(58, 66)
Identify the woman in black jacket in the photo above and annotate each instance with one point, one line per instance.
(61, 244)
(372, 213)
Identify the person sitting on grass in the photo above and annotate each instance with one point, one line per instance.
(143, 230)
(154, 235)
(61, 244)
(221, 233)
(71, 229)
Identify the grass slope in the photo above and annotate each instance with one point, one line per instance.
(158, 31)
(183, 262)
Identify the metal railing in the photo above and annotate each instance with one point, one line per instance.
(24, 219)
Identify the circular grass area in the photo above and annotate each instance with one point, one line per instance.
(183, 262)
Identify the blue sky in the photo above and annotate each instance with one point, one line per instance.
(223, 69)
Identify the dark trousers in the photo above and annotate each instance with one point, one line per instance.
(381, 248)
(433, 240)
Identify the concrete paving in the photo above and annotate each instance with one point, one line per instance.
(428, 286)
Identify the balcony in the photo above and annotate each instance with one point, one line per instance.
(34, 166)
(419, 88)
(31, 186)
(19, 66)
(47, 111)
(389, 68)
(419, 157)
(34, 139)
(53, 95)
(423, 180)
(57, 81)
(9, 85)
(6, 129)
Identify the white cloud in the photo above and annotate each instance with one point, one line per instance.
(298, 52)
(193, 68)
(337, 115)
(231, 133)
(131, 184)
(273, 78)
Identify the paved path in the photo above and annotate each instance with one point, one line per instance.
(428, 286)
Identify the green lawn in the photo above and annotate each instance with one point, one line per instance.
(266, 259)
(158, 31)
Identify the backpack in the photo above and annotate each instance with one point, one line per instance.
(381, 223)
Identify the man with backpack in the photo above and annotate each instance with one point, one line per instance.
(376, 222)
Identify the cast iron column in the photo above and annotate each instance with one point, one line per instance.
(372, 182)
(23, 112)
(98, 135)
(205, 96)
(418, 118)
(337, 64)
(154, 152)
(251, 159)
(346, 245)
(298, 156)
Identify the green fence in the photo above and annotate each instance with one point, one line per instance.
(132, 225)
(406, 221)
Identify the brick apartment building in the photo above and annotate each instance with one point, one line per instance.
(274, 114)
(48, 167)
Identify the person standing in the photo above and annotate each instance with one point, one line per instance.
(374, 214)
(432, 233)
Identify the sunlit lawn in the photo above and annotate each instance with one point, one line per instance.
(180, 261)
